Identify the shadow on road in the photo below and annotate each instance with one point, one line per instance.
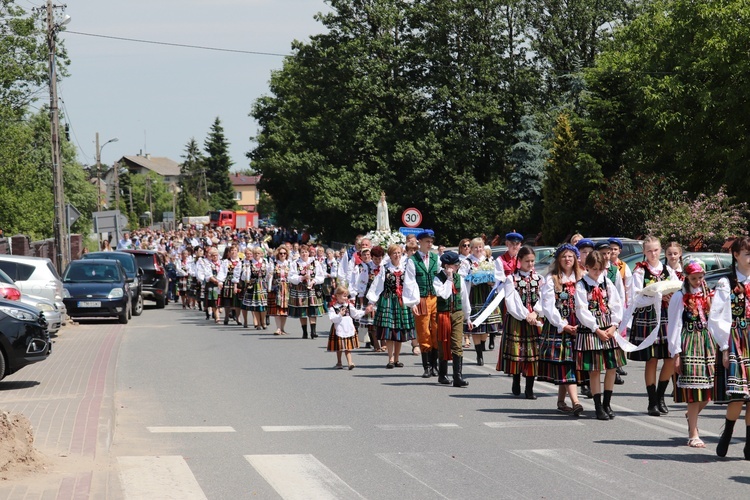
(17, 384)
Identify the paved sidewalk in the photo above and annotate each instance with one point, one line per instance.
(69, 400)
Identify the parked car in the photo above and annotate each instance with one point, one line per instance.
(154, 280)
(23, 336)
(629, 246)
(132, 271)
(713, 260)
(96, 288)
(52, 314)
(35, 276)
(544, 252)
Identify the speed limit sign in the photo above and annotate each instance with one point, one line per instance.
(411, 217)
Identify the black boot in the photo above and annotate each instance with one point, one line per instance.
(492, 341)
(600, 413)
(618, 379)
(516, 388)
(433, 357)
(726, 437)
(304, 331)
(458, 381)
(480, 353)
(443, 372)
(621, 371)
(652, 410)
(746, 450)
(529, 388)
(586, 390)
(426, 365)
(313, 333)
(605, 404)
(660, 390)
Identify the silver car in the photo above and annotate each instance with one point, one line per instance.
(52, 313)
(34, 276)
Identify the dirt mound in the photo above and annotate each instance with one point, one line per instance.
(17, 451)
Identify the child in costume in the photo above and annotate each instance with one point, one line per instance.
(343, 336)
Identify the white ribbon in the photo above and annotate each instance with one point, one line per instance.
(639, 301)
(485, 313)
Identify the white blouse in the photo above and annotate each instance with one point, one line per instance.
(410, 294)
(584, 316)
(295, 278)
(344, 325)
(720, 318)
(674, 328)
(513, 303)
(549, 310)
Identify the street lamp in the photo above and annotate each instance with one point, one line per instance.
(98, 169)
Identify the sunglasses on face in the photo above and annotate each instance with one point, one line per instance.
(465, 245)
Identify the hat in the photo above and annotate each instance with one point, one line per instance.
(615, 241)
(585, 242)
(567, 247)
(695, 266)
(449, 258)
(514, 236)
(427, 233)
(602, 245)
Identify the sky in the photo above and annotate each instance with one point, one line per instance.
(153, 98)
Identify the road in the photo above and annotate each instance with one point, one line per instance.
(213, 411)
(291, 426)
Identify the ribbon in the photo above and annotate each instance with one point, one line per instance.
(747, 300)
(494, 298)
(597, 295)
(639, 301)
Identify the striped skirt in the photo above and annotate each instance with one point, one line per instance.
(519, 350)
(644, 320)
(182, 285)
(255, 297)
(594, 355)
(393, 321)
(304, 302)
(367, 319)
(557, 363)
(211, 293)
(494, 322)
(336, 343)
(732, 383)
(278, 301)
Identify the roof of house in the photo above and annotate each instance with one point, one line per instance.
(160, 165)
(244, 180)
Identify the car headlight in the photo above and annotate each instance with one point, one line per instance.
(45, 307)
(18, 313)
(116, 293)
(66, 293)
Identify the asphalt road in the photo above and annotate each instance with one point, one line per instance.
(218, 412)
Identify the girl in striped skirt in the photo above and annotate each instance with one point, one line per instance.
(599, 312)
(255, 273)
(519, 350)
(557, 362)
(343, 336)
(730, 314)
(394, 322)
(306, 294)
(278, 290)
(692, 347)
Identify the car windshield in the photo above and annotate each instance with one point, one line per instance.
(127, 261)
(89, 273)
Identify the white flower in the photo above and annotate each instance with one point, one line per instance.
(385, 238)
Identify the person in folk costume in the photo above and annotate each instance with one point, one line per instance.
(730, 315)
(343, 337)
(305, 294)
(615, 246)
(278, 289)
(331, 268)
(452, 307)
(208, 272)
(200, 260)
(645, 320)
(692, 346)
(480, 276)
(365, 280)
(182, 266)
(519, 352)
(673, 260)
(421, 268)
(229, 275)
(510, 263)
(393, 296)
(585, 246)
(464, 250)
(613, 274)
(557, 359)
(599, 312)
(256, 274)
(358, 289)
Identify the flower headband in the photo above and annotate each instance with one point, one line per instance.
(695, 266)
(567, 246)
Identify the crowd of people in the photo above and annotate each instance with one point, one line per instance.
(588, 316)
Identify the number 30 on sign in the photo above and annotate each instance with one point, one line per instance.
(411, 217)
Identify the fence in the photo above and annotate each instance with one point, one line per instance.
(21, 244)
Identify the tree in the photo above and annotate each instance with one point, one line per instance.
(193, 187)
(217, 165)
(528, 158)
(570, 179)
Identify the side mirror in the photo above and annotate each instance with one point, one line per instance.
(140, 271)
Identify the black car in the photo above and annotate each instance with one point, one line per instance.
(23, 337)
(712, 277)
(96, 288)
(132, 271)
(154, 279)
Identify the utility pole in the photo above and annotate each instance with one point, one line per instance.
(60, 224)
(116, 167)
(98, 175)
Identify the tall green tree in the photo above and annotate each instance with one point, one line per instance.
(193, 198)
(217, 164)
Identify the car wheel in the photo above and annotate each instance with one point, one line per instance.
(2, 364)
(124, 316)
(160, 302)
(138, 306)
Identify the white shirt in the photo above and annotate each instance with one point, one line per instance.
(720, 317)
(584, 316)
(549, 309)
(344, 325)
(410, 293)
(297, 266)
(674, 328)
(513, 303)
(445, 291)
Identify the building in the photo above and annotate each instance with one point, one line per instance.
(246, 192)
(168, 169)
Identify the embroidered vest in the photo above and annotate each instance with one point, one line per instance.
(424, 275)
(454, 303)
(527, 288)
(565, 302)
(603, 319)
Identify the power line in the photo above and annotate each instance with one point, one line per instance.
(181, 45)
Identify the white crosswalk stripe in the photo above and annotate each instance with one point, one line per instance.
(164, 477)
